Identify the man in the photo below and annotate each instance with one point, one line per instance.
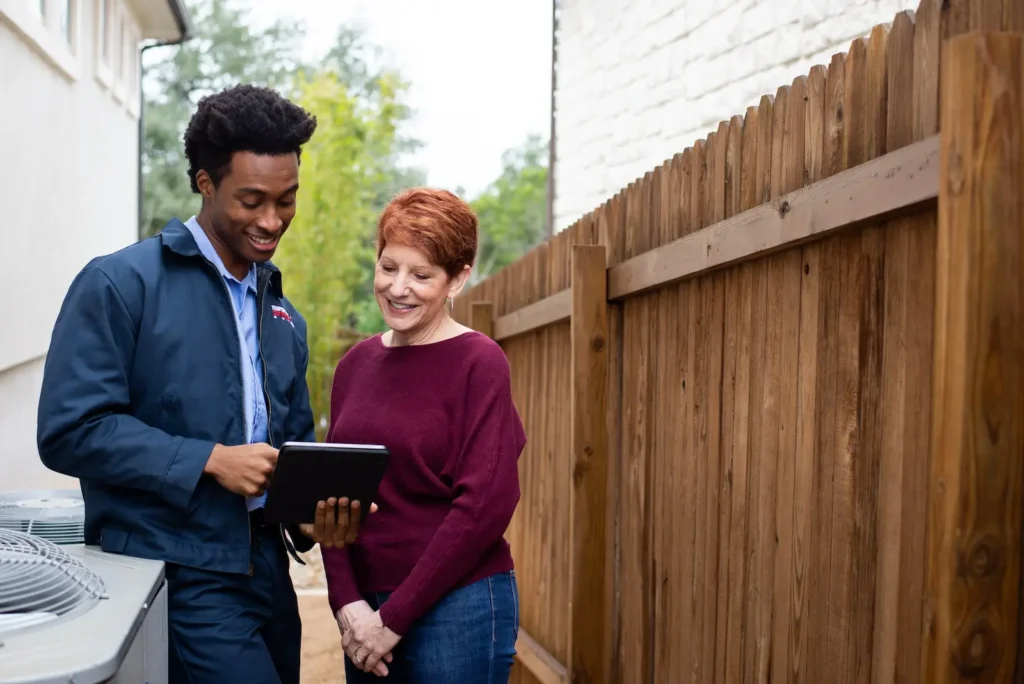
(175, 370)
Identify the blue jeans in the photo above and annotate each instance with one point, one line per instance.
(469, 637)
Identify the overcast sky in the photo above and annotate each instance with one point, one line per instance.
(480, 71)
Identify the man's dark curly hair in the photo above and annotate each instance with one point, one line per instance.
(243, 118)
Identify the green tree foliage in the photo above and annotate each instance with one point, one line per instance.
(327, 256)
(225, 50)
(513, 209)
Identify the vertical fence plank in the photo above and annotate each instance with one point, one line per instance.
(891, 496)
(481, 318)
(712, 296)
(974, 564)
(757, 616)
(634, 583)
(610, 235)
(918, 345)
(829, 576)
(678, 480)
(867, 114)
(664, 505)
(741, 294)
(1013, 15)
(589, 340)
(732, 474)
(786, 269)
(695, 436)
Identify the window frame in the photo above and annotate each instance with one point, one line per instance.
(118, 62)
(42, 34)
(101, 40)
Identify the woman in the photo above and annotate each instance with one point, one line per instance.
(428, 593)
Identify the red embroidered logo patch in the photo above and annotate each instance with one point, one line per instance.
(282, 313)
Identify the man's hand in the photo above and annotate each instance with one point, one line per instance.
(335, 523)
(244, 469)
(355, 611)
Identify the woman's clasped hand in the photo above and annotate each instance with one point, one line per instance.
(367, 642)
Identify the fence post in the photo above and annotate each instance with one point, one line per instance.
(589, 613)
(972, 617)
(481, 318)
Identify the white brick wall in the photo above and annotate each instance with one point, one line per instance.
(640, 80)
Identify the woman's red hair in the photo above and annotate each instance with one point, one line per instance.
(434, 221)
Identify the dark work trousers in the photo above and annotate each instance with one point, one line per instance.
(227, 628)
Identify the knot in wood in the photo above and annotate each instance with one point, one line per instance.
(975, 648)
(783, 208)
(984, 556)
(579, 469)
(597, 342)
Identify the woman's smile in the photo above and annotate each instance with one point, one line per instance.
(400, 308)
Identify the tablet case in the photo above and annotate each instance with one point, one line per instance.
(307, 473)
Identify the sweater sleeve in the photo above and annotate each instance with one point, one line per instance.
(341, 582)
(486, 492)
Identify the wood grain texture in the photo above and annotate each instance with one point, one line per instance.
(974, 564)
(481, 318)
(544, 668)
(552, 309)
(896, 183)
(589, 464)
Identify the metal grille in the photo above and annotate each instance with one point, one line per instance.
(40, 581)
(57, 516)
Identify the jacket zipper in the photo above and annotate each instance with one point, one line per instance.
(241, 401)
(266, 395)
(263, 361)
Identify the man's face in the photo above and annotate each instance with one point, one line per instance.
(251, 208)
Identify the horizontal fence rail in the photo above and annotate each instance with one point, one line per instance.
(553, 309)
(895, 183)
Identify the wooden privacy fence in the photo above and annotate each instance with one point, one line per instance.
(774, 389)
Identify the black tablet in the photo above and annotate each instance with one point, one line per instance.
(309, 472)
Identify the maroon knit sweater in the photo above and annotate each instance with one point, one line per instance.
(445, 412)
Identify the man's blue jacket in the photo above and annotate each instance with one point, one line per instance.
(143, 377)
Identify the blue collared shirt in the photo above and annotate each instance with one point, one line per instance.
(243, 302)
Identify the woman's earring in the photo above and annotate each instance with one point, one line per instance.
(449, 302)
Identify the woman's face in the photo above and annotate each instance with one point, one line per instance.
(410, 290)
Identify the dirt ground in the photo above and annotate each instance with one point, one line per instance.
(321, 643)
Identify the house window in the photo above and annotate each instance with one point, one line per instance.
(104, 47)
(132, 84)
(117, 57)
(49, 28)
(117, 52)
(65, 21)
(102, 27)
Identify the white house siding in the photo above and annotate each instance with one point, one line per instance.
(69, 186)
(640, 80)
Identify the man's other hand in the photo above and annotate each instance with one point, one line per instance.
(335, 523)
(244, 469)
